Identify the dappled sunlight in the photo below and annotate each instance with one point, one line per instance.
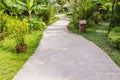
(101, 31)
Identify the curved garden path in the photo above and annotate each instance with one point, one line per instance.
(63, 55)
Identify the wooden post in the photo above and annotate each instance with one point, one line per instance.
(82, 25)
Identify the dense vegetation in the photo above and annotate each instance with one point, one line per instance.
(97, 13)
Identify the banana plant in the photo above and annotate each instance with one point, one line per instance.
(11, 7)
(29, 6)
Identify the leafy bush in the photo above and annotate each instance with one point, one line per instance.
(90, 10)
(3, 21)
(116, 18)
(3, 18)
(36, 24)
(106, 11)
(74, 24)
(114, 37)
(18, 29)
(46, 14)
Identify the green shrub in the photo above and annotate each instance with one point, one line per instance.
(107, 7)
(3, 18)
(3, 29)
(90, 11)
(116, 17)
(36, 24)
(18, 29)
(74, 23)
(46, 14)
(114, 37)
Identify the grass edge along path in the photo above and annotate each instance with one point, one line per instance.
(97, 35)
(10, 61)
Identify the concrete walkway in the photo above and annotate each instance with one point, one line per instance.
(63, 55)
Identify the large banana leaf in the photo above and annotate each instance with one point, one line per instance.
(29, 6)
(39, 7)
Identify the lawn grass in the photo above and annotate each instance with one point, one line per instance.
(97, 34)
(10, 61)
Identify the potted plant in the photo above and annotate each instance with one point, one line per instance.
(3, 18)
(18, 29)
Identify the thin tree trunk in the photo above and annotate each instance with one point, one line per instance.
(111, 20)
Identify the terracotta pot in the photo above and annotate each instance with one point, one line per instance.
(21, 48)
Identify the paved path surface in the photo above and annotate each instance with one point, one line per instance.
(63, 55)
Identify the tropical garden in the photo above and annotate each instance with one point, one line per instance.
(103, 27)
(22, 23)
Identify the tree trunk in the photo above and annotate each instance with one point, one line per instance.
(111, 20)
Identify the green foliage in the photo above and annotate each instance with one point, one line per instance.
(28, 8)
(114, 37)
(36, 24)
(93, 11)
(74, 24)
(90, 10)
(116, 17)
(108, 6)
(18, 7)
(1, 4)
(3, 18)
(11, 7)
(46, 14)
(3, 29)
(97, 17)
(27, 5)
(18, 29)
(80, 11)
(106, 11)
(61, 2)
